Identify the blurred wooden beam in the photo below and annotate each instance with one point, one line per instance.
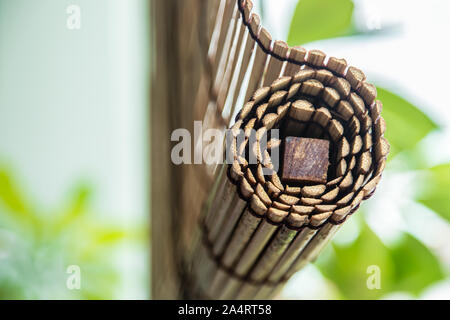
(165, 279)
(181, 32)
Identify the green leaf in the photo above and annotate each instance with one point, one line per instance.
(348, 266)
(416, 267)
(79, 201)
(320, 19)
(76, 208)
(406, 124)
(10, 195)
(13, 201)
(110, 236)
(435, 193)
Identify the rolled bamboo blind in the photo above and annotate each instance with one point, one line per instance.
(261, 225)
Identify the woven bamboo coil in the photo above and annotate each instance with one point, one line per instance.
(259, 229)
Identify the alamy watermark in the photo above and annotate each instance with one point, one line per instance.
(214, 146)
(73, 281)
(73, 21)
(374, 279)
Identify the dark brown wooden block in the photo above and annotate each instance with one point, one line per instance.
(305, 160)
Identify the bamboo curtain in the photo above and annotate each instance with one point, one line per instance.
(231, 231)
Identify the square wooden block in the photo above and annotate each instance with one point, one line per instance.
(305, 160)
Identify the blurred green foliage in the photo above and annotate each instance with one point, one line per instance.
(415, 266)
(406, 124)
(407, 265)
(37, 247)
(347, 266)
(435, 193)
(320, 19)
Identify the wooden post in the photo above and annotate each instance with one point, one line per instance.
(181, 34)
